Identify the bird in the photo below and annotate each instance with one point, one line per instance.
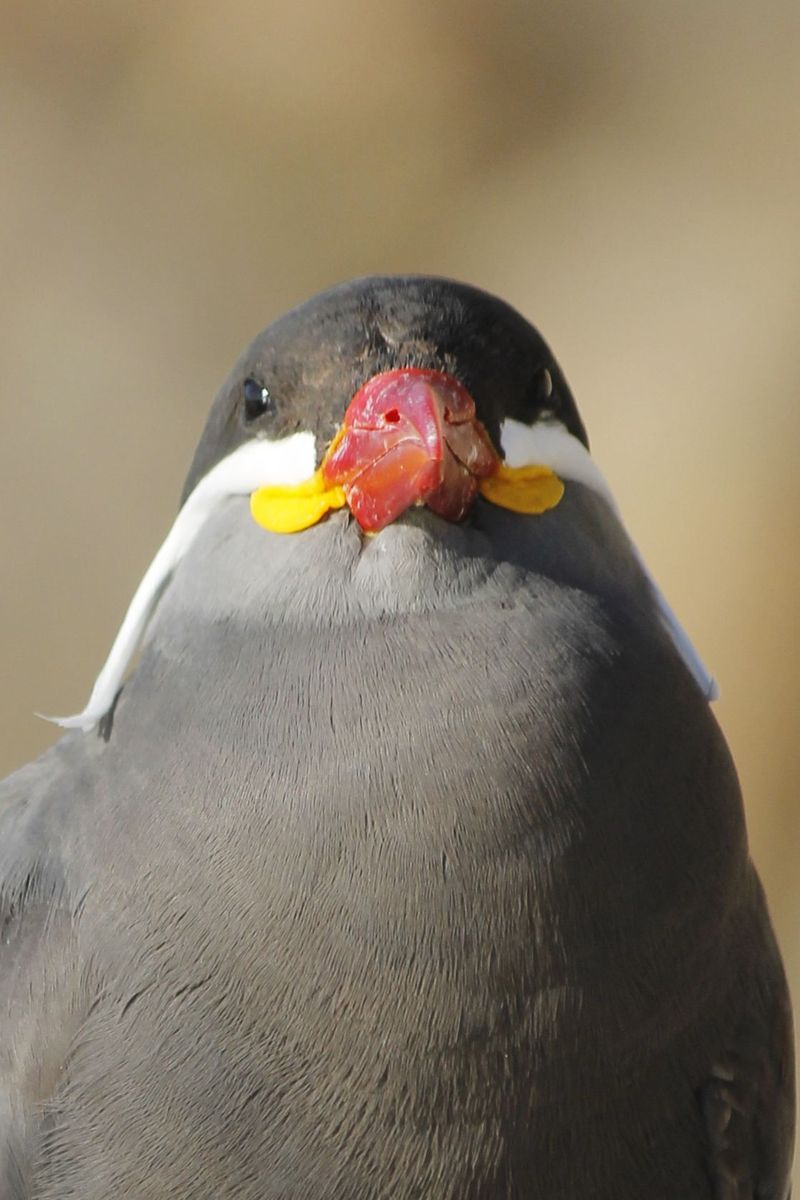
(409, 861)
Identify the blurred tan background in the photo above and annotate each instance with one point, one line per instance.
(177, 174)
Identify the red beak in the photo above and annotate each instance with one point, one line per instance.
(409, 436)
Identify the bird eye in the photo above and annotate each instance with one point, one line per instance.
(257, 400)
(543, 387)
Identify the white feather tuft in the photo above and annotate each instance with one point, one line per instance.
(551, 444)
(256, 463)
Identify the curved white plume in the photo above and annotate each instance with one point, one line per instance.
(551, 444)
(256, 463)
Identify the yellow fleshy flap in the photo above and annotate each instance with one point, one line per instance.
(288, 509)
(530, 489)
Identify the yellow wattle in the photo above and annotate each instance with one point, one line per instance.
(292, 507)
(530, 489)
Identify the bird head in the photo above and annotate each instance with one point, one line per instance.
(405, 384)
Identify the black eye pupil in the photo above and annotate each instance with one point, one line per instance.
(257, 399)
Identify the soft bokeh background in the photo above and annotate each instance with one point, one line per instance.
(627, 174)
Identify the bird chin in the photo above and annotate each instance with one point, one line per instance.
(421, 526)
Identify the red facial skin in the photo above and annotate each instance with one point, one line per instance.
(410, 435)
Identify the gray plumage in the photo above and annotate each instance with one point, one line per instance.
(409, 867)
